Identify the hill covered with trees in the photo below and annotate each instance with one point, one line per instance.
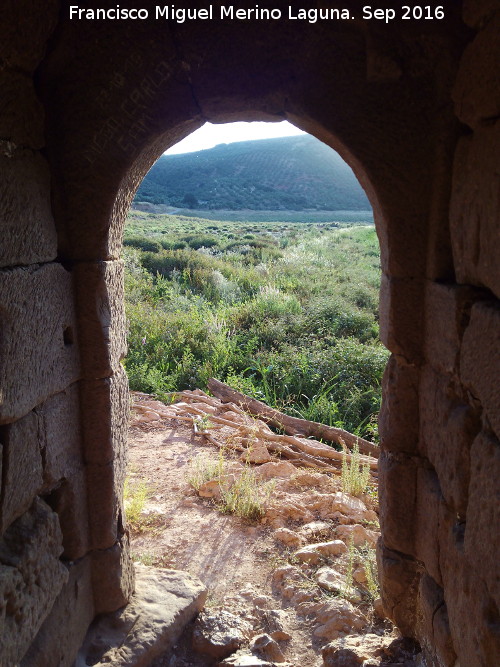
(287, 173)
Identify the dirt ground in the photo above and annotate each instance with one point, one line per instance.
(234, 558)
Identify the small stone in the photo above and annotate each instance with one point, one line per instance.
(315, 528)
(209, 489)
(358, 534)
(265, 647)
(353, 651)
(288, 537)
(378, 608)
(333, 581)
(359, 575)
(308, 555)
(282, 469)
(220, 633)
(257, 453)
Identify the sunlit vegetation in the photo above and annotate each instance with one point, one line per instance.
(285, 312)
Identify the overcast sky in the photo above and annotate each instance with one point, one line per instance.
(210, 135)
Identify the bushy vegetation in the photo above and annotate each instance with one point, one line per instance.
(286, 173)
(284, 312)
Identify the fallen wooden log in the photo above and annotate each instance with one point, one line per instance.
(291, 425)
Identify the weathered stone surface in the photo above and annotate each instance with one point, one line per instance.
(20, 123)
(101, 317)
(446, 314)
(434, 627)
(399, 579)
(37, 316)
(31, 577)
(26, 222)
(480, 360)
(399, 416)
(105, 492)
(219, 633)
(397, 491)
(69, 500)
(428, 504)
(22, 469)
(474, 205)
(477, 92)
(482, 537)
(60, 436)
(401, 306)
(448, 427)
(164, 602)
(63, 631)
(113, 576)
(105, 410)
(24, 32)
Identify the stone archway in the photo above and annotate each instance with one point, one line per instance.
(112, 97)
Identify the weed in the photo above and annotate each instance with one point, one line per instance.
(205, 469)
(355, 476)
(369, 559)
(135, 495)
(348, 586)
(246, 497)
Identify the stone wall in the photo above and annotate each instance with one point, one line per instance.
(85, 109)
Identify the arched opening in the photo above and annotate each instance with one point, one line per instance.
(228, 304)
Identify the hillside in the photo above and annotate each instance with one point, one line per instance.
(288, 173)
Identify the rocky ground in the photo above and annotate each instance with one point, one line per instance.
(291, 579)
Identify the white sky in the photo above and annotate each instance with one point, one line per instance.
(210, 135)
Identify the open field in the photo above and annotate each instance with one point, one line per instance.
(285, 312)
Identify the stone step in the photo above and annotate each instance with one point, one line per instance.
(164, 602)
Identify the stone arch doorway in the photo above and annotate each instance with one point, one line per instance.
(110, 97)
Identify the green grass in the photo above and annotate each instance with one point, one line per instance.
(286, 312)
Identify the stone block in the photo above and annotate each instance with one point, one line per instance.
(21, 113)
(401, 305)
(69, 500)
(399, 414)
(474, 209)
(164, 603)
(60, 436)
(113, 577)
(31, 578)
(63, 631)
(105, 492)
(433, 624)
(22, 468)
(26, 224)
(447, 308)
(38, 352)
(24, 30)
(448, 428)
(101, 317)
(105, 409)
(482, 535)
(474, 616)
(397, 491)
(476, 92)
(428, 505)
(480, 359)
(477, 12)
(399, 579)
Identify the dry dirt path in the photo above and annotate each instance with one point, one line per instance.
(237, 560)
